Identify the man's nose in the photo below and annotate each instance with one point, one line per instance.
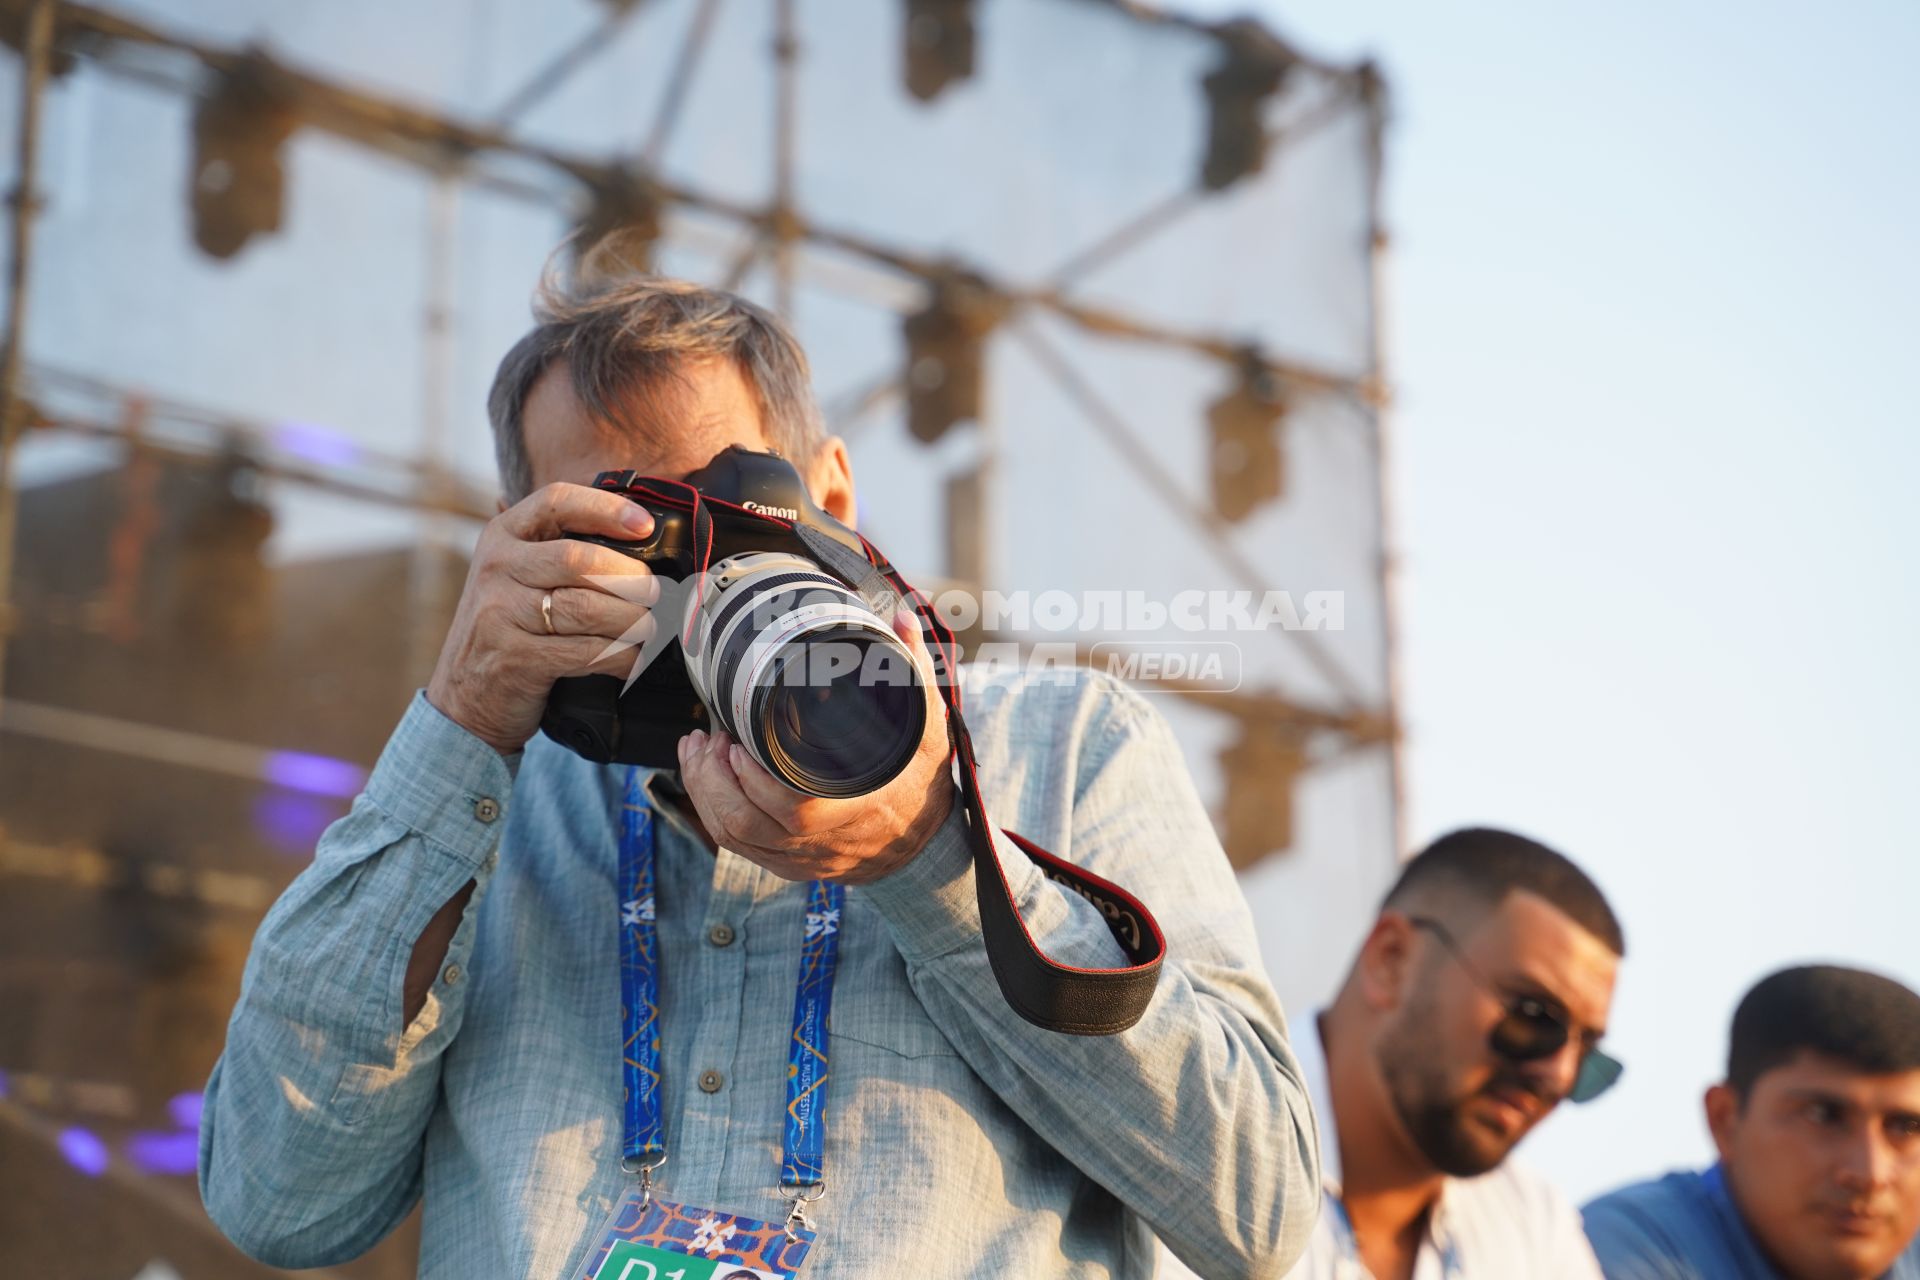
(1553, 1076)
(1866, 1160)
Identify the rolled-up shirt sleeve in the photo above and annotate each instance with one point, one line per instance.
(1197, 1117)
(311, 1135)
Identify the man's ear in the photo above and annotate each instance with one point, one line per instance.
(830, 480)
(1723, 1116)
(1385, 964)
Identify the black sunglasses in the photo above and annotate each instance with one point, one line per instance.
(1532, 1028)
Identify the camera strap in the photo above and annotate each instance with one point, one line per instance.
(1064, 998)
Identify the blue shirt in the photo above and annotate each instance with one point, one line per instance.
(961, 1140)
(1685, 1226)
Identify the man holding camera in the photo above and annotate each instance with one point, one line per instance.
(473, 996)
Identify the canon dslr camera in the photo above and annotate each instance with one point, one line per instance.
(773, 640)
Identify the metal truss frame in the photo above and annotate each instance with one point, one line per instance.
(777, 234)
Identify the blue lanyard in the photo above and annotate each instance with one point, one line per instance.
(644, 1147)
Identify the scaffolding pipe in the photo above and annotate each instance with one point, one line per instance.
(424, 137)
(780, 222)
(428, 605)
(1380, 439)
(25, 202)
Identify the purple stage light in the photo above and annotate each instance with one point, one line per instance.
(319, 775)
(292, 822)
(165, 1153)
(84, 1151)
(185, 1109)
(312, 443)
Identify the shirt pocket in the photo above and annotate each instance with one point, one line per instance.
(874, 1005)
(904, 1031)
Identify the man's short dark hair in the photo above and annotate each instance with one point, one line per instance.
(1482, 865)
(1862, 1019)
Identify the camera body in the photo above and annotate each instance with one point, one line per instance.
(771, 638)
(769, 587)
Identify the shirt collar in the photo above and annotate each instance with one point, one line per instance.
(1311, 1053)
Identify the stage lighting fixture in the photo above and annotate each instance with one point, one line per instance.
(1259, 771)
(946, 356)
(623, 216)
(1248, 460)
(1252, 68)
(238, 180)
(939, 39)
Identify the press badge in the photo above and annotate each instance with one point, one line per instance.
(658, 1240)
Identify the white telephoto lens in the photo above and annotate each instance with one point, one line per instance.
(796, 668)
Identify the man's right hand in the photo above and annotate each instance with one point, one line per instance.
(499, 663)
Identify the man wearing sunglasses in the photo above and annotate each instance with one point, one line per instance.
(1474, 1007)
(1818, 1129)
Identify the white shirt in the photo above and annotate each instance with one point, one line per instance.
(1509, 1224)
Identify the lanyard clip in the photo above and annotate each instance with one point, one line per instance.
(798, 1200)
(645, 1167)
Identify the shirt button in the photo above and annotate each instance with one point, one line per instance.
(711, 1080)
(720, 935)
(452, 975)
(486, 808)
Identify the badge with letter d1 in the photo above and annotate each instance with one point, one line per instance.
(658, 1240)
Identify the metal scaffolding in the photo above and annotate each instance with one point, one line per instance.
(1281, 732)
(778, 233)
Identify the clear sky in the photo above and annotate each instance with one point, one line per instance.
(1656, 324)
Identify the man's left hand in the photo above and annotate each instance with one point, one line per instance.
(803, 837)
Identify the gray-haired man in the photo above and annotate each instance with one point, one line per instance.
(435, 1006)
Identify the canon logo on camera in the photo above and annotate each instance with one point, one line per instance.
(785, 513)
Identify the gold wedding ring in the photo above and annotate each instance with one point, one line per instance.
(546, 612)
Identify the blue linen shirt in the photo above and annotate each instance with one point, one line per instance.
(1686, 1227)
(961, 1140)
